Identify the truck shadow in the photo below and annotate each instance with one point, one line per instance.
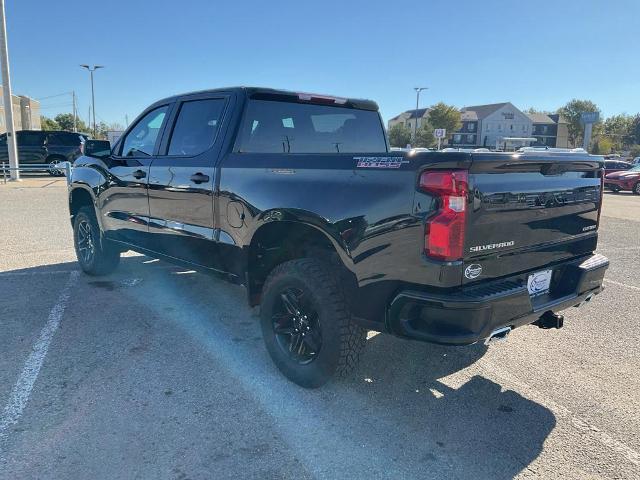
(418, 410)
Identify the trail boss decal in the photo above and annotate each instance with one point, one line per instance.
(379, 162)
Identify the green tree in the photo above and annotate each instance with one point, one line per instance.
(48, 123)
(424, 136)
(445, 116)
(634, 130)
(399, 135)
(602, 146)
(65, 121)
(618, 128)
(572, 112)
(634, 151)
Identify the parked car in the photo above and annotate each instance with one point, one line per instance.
(298, 197)
(611, 166)
(38, 147)
(624, 180)
(636, 161)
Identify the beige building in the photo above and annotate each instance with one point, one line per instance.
(26, 113)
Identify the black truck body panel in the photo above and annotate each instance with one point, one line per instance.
(542, 209)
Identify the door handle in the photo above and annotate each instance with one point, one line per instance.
(139, 174)
(199, 178)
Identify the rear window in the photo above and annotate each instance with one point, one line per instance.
(284, 127)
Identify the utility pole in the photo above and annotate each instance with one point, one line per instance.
(93, 97)
(6, 93)
(75, 112)
(415, 127)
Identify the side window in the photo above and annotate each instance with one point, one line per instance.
(196, 126)
(142, 138)
(63, 139)
(30, 139)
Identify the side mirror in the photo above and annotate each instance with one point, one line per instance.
(97, 148)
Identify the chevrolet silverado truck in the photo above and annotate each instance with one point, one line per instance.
(299, 198)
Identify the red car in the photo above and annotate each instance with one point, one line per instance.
(611, 166)
(624, 180)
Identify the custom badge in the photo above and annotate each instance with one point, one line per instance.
(473, 271)
(379, 162)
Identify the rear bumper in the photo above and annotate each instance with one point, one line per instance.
(470, 314)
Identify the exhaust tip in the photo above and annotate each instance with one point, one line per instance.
(498, 335)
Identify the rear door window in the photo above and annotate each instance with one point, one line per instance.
(286, 127)
(64, 139)
(196, 127)
(30, 139)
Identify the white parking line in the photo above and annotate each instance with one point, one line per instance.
(620, 284)
(36, 272)
(22, 389)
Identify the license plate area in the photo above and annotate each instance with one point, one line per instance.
(538, 283)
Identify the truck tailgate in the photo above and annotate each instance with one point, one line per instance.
(530, 210)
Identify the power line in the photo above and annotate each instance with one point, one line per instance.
(54, 96)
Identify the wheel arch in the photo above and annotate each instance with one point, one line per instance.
(276, 242)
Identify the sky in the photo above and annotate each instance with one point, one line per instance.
(534, 54)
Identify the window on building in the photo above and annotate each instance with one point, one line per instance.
(524, 128)
(499, 127)
(470, 138)
(457, 138)
(544, 129)
(471, 127)
(196, 127)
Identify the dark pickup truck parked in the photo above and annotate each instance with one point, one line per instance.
(299, 198)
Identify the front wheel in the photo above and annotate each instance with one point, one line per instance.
(306, 324)
(636, 188)
(95, 255)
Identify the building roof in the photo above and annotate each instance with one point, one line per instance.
(483, 111)
(417, 113)
(557, 118)
(540, 118)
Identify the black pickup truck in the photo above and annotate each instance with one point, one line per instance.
(298, 197)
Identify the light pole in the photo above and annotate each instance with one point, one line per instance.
(415, 127)
(12, 151)
(93, 97)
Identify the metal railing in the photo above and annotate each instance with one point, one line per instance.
(60, 168)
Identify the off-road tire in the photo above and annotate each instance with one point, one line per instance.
(342, 339)
(106, 256)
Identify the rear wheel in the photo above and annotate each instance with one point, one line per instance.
(615, 188)
(636, 188)
(306, 324)
(96, 255)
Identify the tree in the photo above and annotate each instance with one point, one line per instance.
(634, 129)
(618, 128)
(445, 116)
(48, 123)
(65, 121)
(634, 151)
(602, 146)
(399, 135)
(572, 112)
(424, 136)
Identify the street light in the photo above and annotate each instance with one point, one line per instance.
(415, 127)
(93, 97)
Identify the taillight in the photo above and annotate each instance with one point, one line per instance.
(444, 231)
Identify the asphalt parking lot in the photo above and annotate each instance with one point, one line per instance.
(158, 372)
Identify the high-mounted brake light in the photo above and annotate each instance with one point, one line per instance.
(444, 232)
(312, 97)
